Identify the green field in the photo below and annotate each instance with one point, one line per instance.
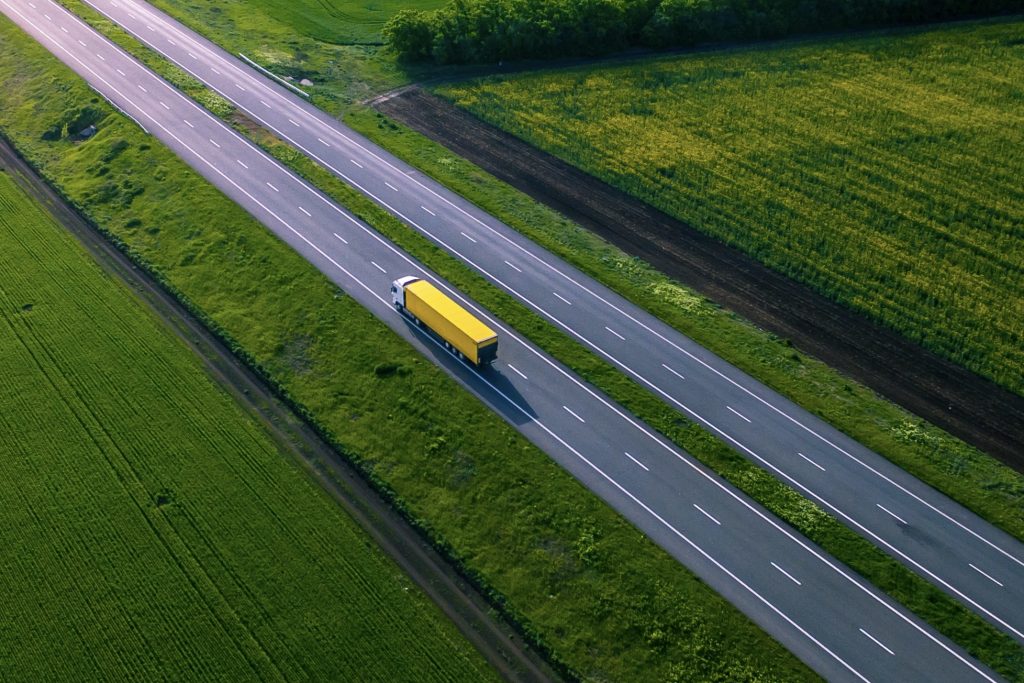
(338, 21)
(151, 529)
(606, 601)
(884, 171)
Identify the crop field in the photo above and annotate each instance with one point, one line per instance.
(884, 171)
(151, 530)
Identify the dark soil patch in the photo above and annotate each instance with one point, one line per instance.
(969, 406)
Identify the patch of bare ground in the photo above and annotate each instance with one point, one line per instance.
(964, 404)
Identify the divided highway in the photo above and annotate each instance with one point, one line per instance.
(939, 539)
(828, 616)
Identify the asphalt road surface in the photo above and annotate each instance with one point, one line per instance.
(940, 540)
(819, 609)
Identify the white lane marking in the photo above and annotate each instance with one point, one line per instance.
(164, 105)
(292, 121)
(172, 42)
(788, 575)
(82, 43)
(513, 267)
(672, 371)
(321, 141)
(705, 513)
(48, 17)
(241, 163)
(811, 461)
(214, 143)
(738, 413)
(121, 72)
(468, 237)
(150, 27)
(192, 56)
(188, 124)
(214, 70)
(272, 187)
(142, 88)
(562, 298)
(356, 163)
(102, 59)
(574, 414)
(305, 212)
(240, 86)
(33, 5)
(891, 513)
(615, 333)
(646, 469)
(391, 186)
(130, 14)
(428, 210)
(985, 575)
(345, 241)
(63, 29)
(517, 371)
(265, 104)
(877, 642)
(378, 267)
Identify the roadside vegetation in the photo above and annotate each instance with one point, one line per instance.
(151, 528)
(949, 617)
(882, 171)
(580, 581)
(466, 31)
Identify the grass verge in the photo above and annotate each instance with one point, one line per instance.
(579, 580)
(963, 626)
(153, 529)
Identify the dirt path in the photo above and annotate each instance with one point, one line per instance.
(971, 407)
(496, 639)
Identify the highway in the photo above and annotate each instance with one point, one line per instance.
(939, 539)
(819, 609)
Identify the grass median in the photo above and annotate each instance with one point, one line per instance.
(579, 580)
(948, 616)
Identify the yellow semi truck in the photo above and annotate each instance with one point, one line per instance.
(462, 333)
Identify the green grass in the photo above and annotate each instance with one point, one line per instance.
(151, 529)
(582, 581)
(335, 21)
(884, 171)
(934, 607)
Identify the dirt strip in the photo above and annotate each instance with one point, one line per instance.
(964, 404)
(476, 619)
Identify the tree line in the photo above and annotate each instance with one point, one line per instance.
(475, 31)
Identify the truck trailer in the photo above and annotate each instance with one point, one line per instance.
(462, 333)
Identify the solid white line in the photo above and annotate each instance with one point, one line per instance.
(562, 298)
(164, 105)
(188, 124)
(985, 575)
(877, 642)
(272, 187)
(898, 518)
(341, 238)
(356, 163)
(241, 163)
(142, 88)
(647, 509)
(318, 139)
(517, 371)
(305, 212)
(738, 413)
(615, 333)
(788, 575)
(379, 268)
(391, 186)
(121, 72)
(428, 210)
(672, 371)
(811, 461)
(513, 267)
(468, 237)
(214, 143)
(293, 123)
(637, 462)
(705, 513)
(574, 415)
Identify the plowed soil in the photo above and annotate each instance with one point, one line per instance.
(961, 402)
